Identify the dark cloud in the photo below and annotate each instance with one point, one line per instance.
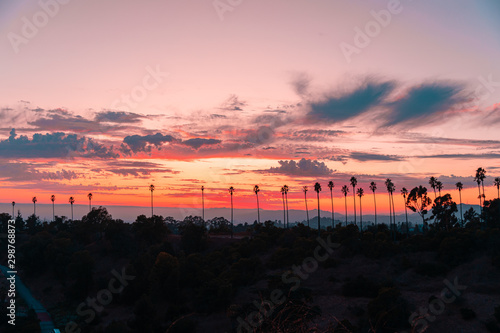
(233, 104)
(464, 156)
(198, 142)
(144, 143)
(55, 145)
(300, 83)
(422, 103)
(364, 157)
(118, 117)
(28, 172)
(342, 107)
(303, 168)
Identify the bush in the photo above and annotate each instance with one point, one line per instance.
(467, 314)
(360, 287)
(430, 269)
(389, 311)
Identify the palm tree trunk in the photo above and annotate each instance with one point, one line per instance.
(461, 214)
(407, 226)
(202, 206)
(319, 226)
(331, 198)
(390, 214)
(284, 214)
(231, 215)
(354, 198)
(345, 210)
(71, 212)
(394, 214)
(258, 210)
(307, 210)
(375, 203)
(34, 208)
(360, 215)
(152, 204)
(53, 212)
(287, 216)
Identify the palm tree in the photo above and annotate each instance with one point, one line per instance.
(373, 187)
(286, 200)
(390, 189)
(344, 191)
(354, 182)
(53, 198)
(317, 188)
(231, 191)
(90, 201)
(71, 201)
(256, 189)
(305, 199)
(284, 212)
(151, 188)
(404, 193)
(331, 186)
(460, 186)
(479, 178)
(360, 192)
(497, 184)
(202, 203)
(13, 208)
(432, 182)
(34, 205)
(439, 186)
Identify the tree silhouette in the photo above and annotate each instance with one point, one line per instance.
(404, 193)
(317, 188)
(71, 201)
(479, 178)
(284, 212)
(432, 183)
(305, 189)
(331, 186)
(497, 184)
(460, 186)
(34, 205)
(344, 191)
(53, 198)
(392, 217)
(231, 191)
(13, 208)
(439, 186)
(90, 201)
(360, 193)
(256, 189)
(202, 203)
(354, 182)
(373, 188)
(286, 200)
(418, 201)
(152, 188)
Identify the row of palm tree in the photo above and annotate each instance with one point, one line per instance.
(71, 201)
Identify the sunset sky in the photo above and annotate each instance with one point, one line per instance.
(111, 96)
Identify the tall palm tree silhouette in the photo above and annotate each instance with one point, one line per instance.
(497, 184)
(317, 188)
(305, 189)
(231, 191)
(152, 188)
(286, 200)
(439, 186)
(354, 182)
(284, 213)
(432, 183)
(373, 188)
(71, 201)
(404, 193)
(344, 191)
(390, 189)
(202, 203)
(460, 186)
(90, 201)
(13, 208)
(479, 178)
(53, 198)
(256, 189)
(360, 193)
(482, 175)
(331, 186)
(34, 205)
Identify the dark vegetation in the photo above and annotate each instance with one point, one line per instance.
(189, 276)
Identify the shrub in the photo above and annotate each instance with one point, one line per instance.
(360, 287)
(467, 314)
